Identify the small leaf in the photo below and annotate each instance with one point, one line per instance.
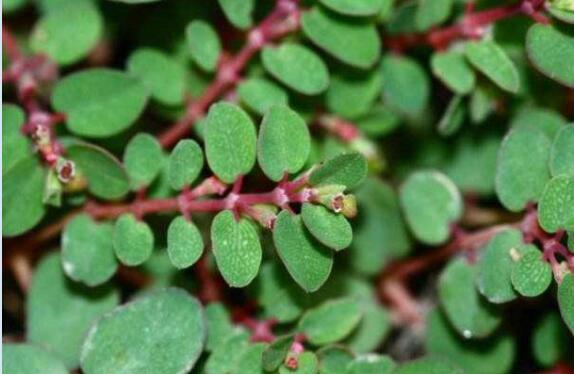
(566, 300)
(219, 326)
(99, 103)
(378, 122)
(226, 356)
(373, 328)
(329, 228)
(351, 95)
(230, 141)
(495, 266)
(354, 42)
(550, 340)
(354, 7)
(106, 176)
(275, 354)
(204, 45)
(15, 145)
(22, 192)
(184, 243)
(539, 119)
(522, 170)
(284, 142)
(452, 117)
(452, 69)
(470, 315)
(562, 13)
(308, 262)
(238, 13)
(432, 12)
(428, 365)
(307, 363)
(561, 155)
(297, 67)
(531, 275)
(260, 94)
(185, 164)
(551, 50)
(491, 60)
(163, 332)
(372, 364)
(69, 33)
(133, 240)
(556, 206)
(87, 251)
(29, 359)
(251, 361)
(334, 359)
(236, 247)
(161, 75)
(331, 321)
(347, 169)
(431, 202)
(59, 312)
(143, 160)
(400, 75)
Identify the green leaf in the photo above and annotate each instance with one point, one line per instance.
(373, 328)
(230, 141)
(143, 159)
(400, 75)
(451, 68)
(277, 295)
(482, 103)
(494, 355)
(238, 13)
(352, 41)
(87, 251)
(522, 170)
(29, 359)
(550, 340)
(99, 102)
(375, 245)
(15, 145)
(372, 364)
(226, 356)
(185, 164)
(184, 243)
(219, 326)
(69, 33)
(354, 7)
(284, 142)
(561, 155)
(539, 119)
(551, 50)
(251, 361)
(428, 365)
(470, 315)
(531, 274)
(308, 262)
(491, 60)
(495, 266)
(162, 332)
(133, 240)
(566, 300)
(378, 122)
(431, 202)
(22, 192)
(203, 43)
(260, 94)
(161, 75)
(352, 94)
(106, 177)
(307, 363)
(563, 14)
(59, 312)
(10, 6)
(556, 206)
(236, 247)
(297, 67)
(275, 354)
(334, 359)
(432, 12)
(452, 117)
(331, 321)
(348, 169)
(329, 228)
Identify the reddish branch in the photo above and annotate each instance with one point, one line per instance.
(283, 20)
(472, 25)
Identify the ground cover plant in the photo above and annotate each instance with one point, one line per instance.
(283, 186)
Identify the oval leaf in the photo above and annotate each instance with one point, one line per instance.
(329, 228)
(284, 142)
(354, 7)
(566, 300)
(452, 69)
(184, 243)
(531, 275)
(143, 159)
(29, 359)
(331, 321)
(238, 13)
(347, 169)
(204, 45)
(551, 50)
(15, 145)
(260, 94)
(556, 207)
(133, 240)
(491, 60)
(561, 155)
(236, 248)
(185, 164)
